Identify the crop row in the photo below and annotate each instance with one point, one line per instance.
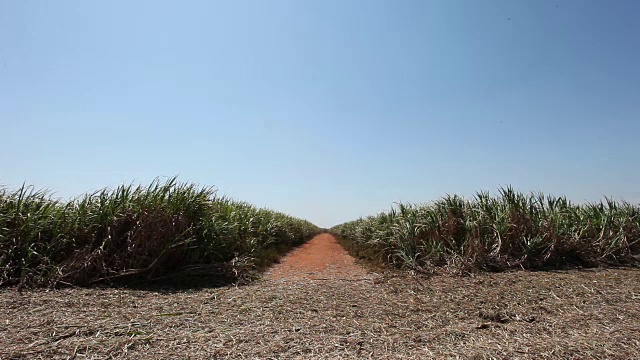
(510, 230)
(167, 230)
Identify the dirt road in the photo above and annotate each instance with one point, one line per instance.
(319, 304)
(322, 258)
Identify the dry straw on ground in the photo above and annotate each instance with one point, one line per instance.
(517, 315)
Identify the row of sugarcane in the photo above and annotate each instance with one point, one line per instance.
(136, 234)
(509, 230)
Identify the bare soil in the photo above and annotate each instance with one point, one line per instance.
(318, 303)
(322, 258)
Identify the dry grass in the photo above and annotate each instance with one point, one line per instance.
(526, 315)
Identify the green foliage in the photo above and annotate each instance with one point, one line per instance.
(511, 230)
(136, 233)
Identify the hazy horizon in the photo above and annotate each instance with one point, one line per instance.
(327, 111)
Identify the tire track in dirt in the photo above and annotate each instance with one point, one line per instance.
(322, 258)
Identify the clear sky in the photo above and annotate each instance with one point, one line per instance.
(327, 110)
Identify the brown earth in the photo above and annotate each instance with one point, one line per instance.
(327, 307)
(321, 258)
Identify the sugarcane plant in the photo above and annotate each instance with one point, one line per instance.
(137, 233)
(510, 230)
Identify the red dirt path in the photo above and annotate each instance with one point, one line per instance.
(322, 258)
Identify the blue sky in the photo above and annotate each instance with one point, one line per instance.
(327, 110)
